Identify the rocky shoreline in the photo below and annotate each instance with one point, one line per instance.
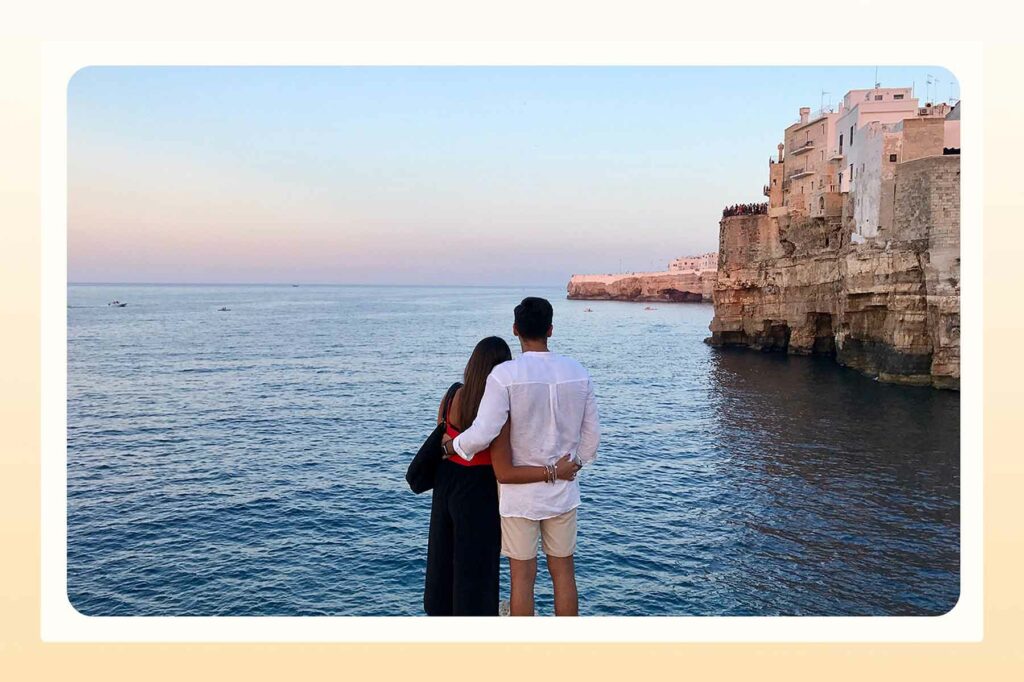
(662, 287)
(888, 306)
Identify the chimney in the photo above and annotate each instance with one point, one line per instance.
(805, 114)
(781, 147)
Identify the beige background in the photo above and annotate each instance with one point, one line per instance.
(24, 656)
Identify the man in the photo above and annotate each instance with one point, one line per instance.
(550, 400)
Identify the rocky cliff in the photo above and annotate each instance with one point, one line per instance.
(643, 286)
(888, 306)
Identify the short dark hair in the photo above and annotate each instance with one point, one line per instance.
(533, 317)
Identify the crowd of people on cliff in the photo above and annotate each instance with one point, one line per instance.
(745, 209)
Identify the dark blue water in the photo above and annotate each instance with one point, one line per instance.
(251, 462)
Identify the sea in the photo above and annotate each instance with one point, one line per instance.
(241, 450)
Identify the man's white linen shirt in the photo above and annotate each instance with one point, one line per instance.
(551, 401)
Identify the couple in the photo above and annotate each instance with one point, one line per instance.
(517, 433)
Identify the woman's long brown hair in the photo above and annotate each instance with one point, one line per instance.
(489, 353)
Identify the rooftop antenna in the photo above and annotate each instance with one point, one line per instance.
(822, 102)
(877, 84)
(929, 80)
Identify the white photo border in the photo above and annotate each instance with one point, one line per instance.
(61, 622)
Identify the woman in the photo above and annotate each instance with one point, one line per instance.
(465, 529)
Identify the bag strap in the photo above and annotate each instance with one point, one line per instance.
(448, 401)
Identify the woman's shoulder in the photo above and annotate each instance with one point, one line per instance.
(454, 394)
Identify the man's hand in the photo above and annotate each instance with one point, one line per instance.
(566, 468)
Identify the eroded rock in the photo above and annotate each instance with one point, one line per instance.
(888, 305)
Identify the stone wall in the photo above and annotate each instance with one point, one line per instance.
(929, 191)
(888, 306)
(683, 287)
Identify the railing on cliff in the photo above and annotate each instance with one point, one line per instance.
(745, 209)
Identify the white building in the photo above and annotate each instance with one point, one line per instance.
(860, 107)
(701, 263)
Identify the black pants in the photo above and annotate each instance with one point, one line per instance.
(465, 543)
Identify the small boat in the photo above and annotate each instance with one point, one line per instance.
(588, 310)
(647, 307)
(117, 304)
(223, 310)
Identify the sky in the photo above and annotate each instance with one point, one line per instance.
(423, 175)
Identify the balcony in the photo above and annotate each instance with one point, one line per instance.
(801, 174)
(807, 146)
(836, 156)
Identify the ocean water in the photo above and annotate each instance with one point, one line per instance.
(251, 461)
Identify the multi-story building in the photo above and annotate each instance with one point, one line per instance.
(701, 263)
(880, 148)
(860, 107)
(808, 168)
(818, 169)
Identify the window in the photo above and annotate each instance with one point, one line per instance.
(851, 172)
(840, 143)
(897, 96)
(821, 203)
(840, 179)
(822, 154)
(878, 98)
(892, 158)
(851, 136)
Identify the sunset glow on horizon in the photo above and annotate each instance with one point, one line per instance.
(422, 175)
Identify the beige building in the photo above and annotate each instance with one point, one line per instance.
(809, 169)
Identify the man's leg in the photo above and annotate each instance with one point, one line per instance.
(519, 543)
(524, 576)
(563, 579)
(559, 540)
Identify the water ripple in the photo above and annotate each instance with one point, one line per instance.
(251, 462)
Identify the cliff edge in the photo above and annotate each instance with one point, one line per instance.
(888, 305)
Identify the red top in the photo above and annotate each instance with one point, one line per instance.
(482, 458)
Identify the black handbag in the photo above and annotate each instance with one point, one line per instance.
(423, 468)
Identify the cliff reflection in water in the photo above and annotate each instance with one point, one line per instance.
(846, 477)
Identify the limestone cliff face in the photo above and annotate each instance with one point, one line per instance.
(648, 286)
(888, 306)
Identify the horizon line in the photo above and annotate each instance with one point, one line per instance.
(309, 284)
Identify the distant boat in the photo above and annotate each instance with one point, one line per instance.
(588, 310)
(295, 285)
(117, 304)
(649, 308)
(223, 310)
